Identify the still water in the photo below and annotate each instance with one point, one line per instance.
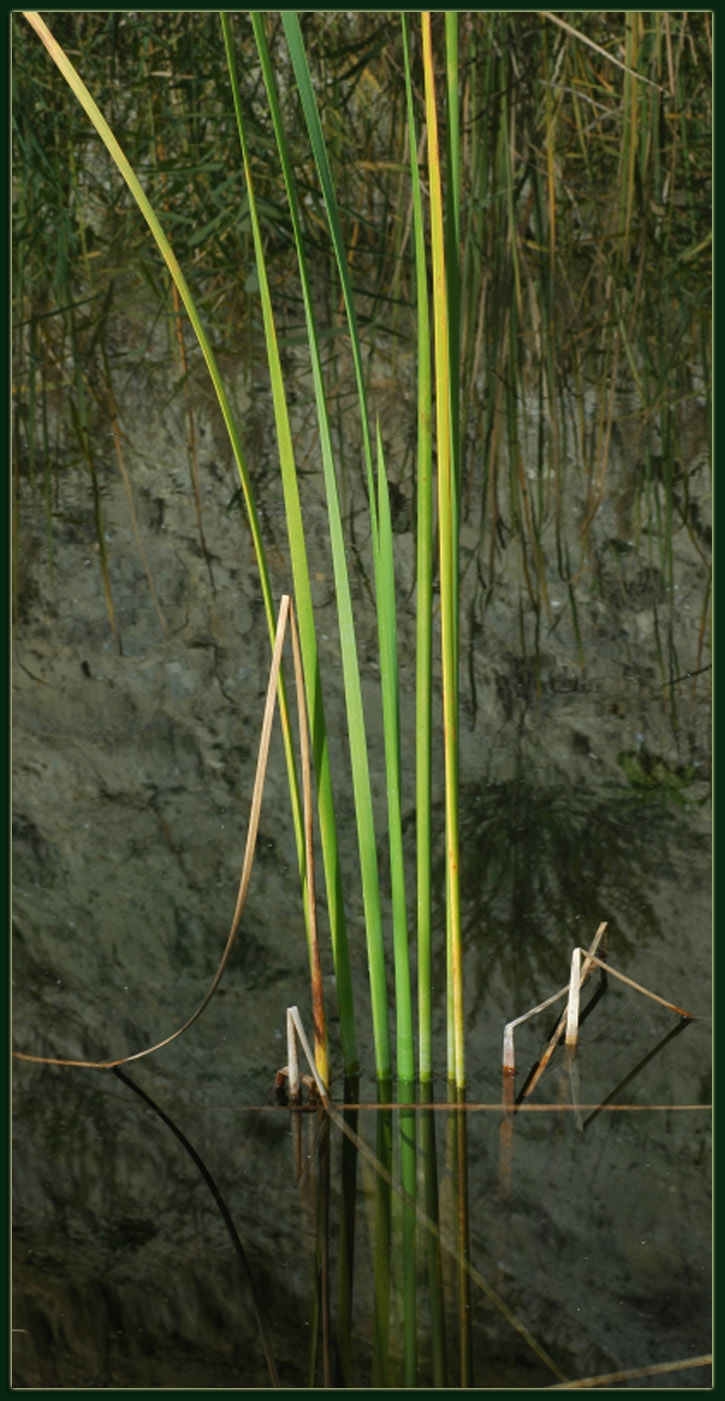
(265, 1244)
(548, 1246)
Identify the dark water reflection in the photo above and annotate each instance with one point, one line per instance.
(576, 1244)
(546, 1246)
(536, 857)
(565, 1244)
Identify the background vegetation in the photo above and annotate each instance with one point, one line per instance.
(585, 241)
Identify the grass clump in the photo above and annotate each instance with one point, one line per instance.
(518, 204)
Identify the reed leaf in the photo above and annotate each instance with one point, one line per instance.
(385, 577)
(383, 573)
(362, 791)
(447, 518)
(293, 33)
(305, 613)
(424, 606)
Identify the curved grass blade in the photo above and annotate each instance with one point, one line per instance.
(100, 124)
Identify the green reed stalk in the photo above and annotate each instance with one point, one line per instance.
(447, 519)
(452, 237)
(385, 595)
(362, 791)
(385, 599)
(453, 272)
(305, 613)
(293, 34)
(404, 1017)
(424, 612)
(117, 155)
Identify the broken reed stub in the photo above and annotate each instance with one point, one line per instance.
(293, 1065)
(579, 973)
(509, 1055)
(509, 1061)
(572, 1006)
(296, 1030)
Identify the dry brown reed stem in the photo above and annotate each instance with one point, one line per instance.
(607, 967)
(285, 611)
(295, 1028)
(578, 978)
(561, 1027)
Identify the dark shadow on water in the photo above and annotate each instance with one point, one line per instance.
(539, 862)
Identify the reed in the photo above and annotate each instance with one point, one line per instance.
(351, 673)
(549, 180)
(424, 611)
(446, 415)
